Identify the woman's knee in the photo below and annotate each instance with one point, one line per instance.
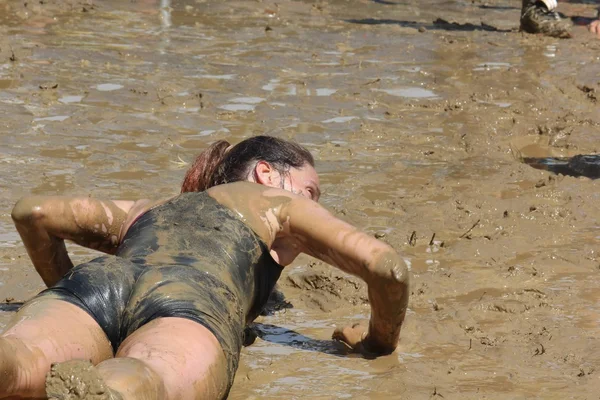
(132, 378)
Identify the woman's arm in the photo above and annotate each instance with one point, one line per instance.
(307, 227)
(334, 241)
(44, 223)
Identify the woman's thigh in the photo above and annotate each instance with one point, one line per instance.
(46, 330)
(184, 353)
(60, 330)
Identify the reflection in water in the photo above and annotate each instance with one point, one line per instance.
(489, 66)
(238, 107)
(242, 104)
(339, 119)
(217, 77)
(248, 100)
(550, 51)
(59, 118)
(325, 92)
(165, 22)
(579, 165)
(275, 85)
(411, 92)
(70, 99)
(108, 87)
(165, 13)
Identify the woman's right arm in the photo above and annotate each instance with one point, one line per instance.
(44, 223)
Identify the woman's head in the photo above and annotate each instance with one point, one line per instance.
(262, 159)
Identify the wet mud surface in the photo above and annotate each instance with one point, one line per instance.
(419, 115)
(74, 380)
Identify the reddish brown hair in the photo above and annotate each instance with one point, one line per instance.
(217, 165)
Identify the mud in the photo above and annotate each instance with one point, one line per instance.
(73, 380)
(418, 129)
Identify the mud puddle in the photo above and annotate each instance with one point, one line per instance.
(417, 127)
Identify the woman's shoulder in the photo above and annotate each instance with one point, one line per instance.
(257, 205)
(235, 190)
(250, 197)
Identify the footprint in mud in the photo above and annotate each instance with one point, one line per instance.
(579, 165)
(324, 289)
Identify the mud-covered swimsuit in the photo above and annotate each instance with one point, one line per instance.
(190, 258)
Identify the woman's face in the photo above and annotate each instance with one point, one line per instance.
(303, 181)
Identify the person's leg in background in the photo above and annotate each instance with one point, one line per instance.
(540, 16)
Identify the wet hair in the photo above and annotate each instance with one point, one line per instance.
(220, 163)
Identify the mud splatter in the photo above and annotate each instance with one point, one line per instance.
(75, 380)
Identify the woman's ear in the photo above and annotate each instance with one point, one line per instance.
(266, 175)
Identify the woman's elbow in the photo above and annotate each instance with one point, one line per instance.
(391, 269)
(27, 209)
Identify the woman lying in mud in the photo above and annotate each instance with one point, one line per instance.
(162, 315)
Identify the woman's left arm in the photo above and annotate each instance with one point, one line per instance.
(44, 223)
(320, 234)
(305, 226)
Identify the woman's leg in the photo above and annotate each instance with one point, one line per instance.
(168, 359)
(44, 331)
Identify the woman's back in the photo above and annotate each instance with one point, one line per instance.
(194, 230)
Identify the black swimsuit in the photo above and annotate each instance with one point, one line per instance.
(190, 258)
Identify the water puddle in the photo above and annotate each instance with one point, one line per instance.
(491, 66)
(325, 92)
(339, 120)
(108, 87)
(224, 77)
(248, 100)
(274, 85)
(59, 118)
(70, 99)
(580, 165)
(238, 107)
(410, 93)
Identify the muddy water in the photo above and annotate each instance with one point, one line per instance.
(418, 128)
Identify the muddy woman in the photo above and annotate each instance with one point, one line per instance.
(161, 316)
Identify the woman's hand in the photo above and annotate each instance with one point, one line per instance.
(352, 336)
(356, 337)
